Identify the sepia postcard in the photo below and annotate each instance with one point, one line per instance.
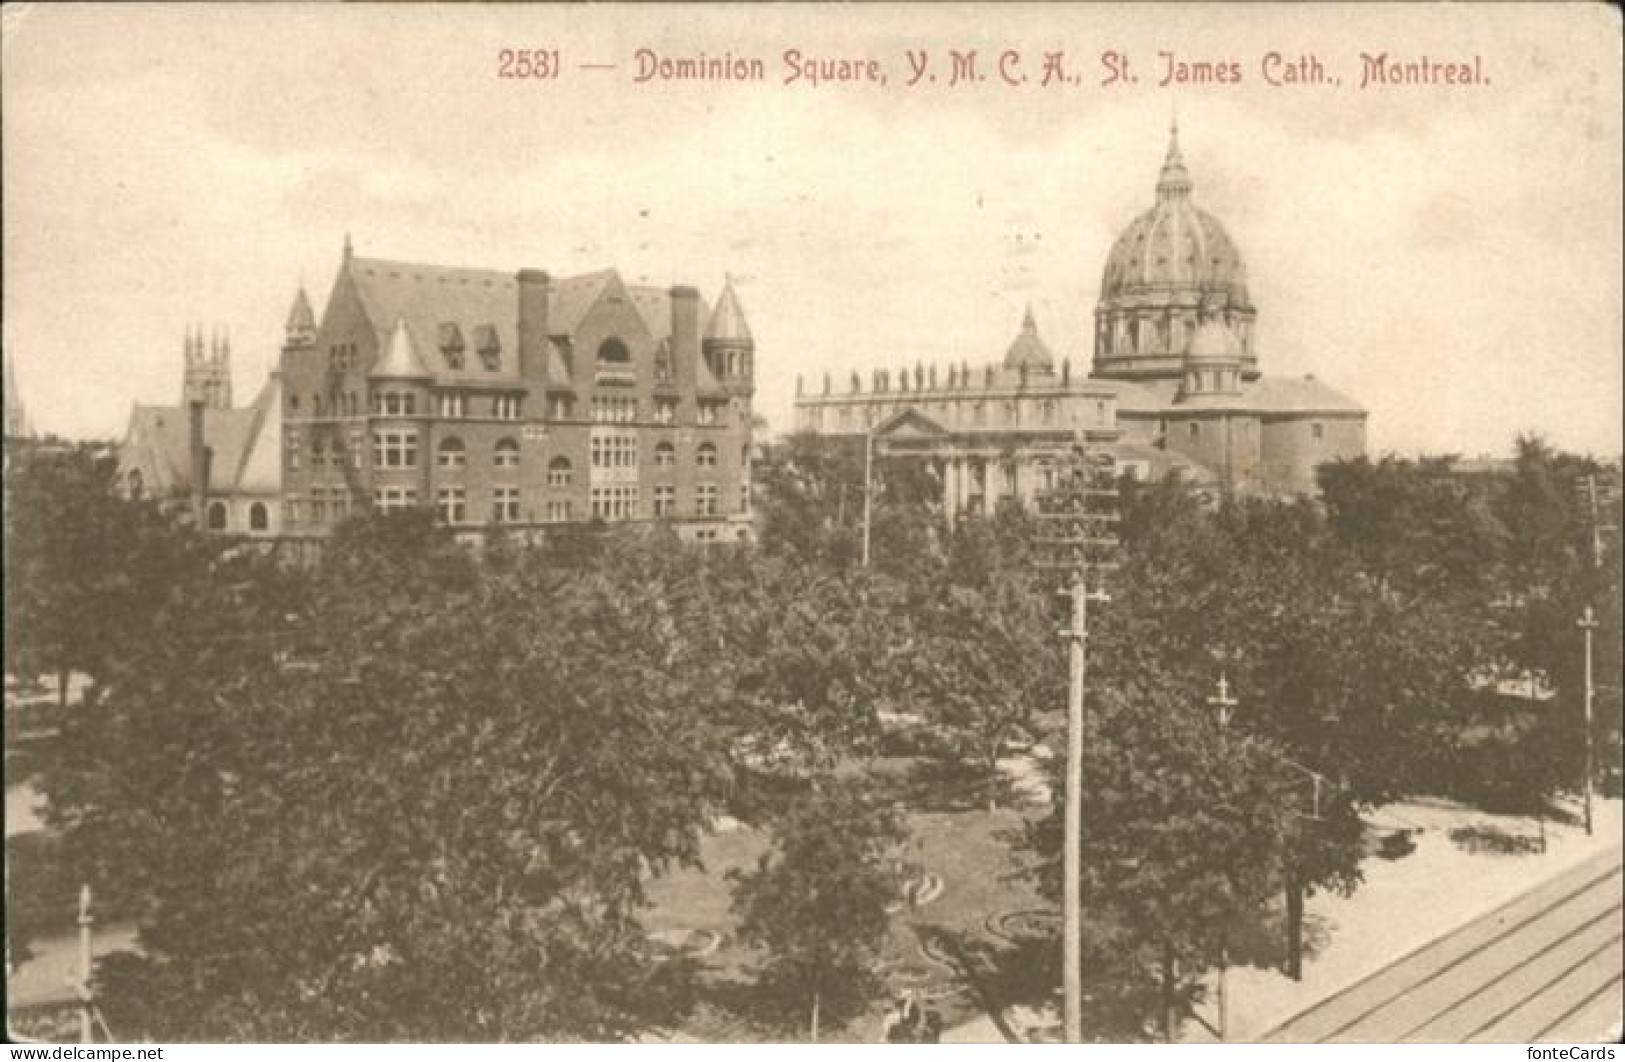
(775, 523)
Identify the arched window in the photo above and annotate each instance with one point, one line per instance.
(665, 455)
(258, 518)
(706, 456)
(613, 350)
(506, 454)
(133, 482)
(452, 453)
(217, 516)
(558, 472)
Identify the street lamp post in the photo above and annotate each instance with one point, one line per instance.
(1588, 623)
(1225, 703)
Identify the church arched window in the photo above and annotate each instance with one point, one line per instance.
(217, 516)
(258, 518)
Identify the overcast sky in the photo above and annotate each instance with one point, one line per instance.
(1448, 255)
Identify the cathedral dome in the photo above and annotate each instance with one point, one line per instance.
(1174, 246)
(1028, 350)
(1172, 266)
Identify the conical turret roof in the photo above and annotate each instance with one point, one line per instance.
(300, 317)
(727, 324)
(401, 360)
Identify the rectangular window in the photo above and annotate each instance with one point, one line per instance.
(341, 503)
(1318, 430)
(558, 511)
(665, 501)
(506, 407)
(614, 410)
(615, 503)
(564, 407)
(318, 509)
(744, 498)
(505, 504)
(293, 451)
(394, 403)
(294, 510)
(709, 413)
(614, 451)
(395, 449)
(452, 504)
(705, 499)
(385, 499)
(665, 411)
(1196, 429)
(454, 405)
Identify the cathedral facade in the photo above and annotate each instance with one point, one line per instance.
(1175, 391)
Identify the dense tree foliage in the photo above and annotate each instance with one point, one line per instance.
(417, 791)
(816, 904)
(84, 568)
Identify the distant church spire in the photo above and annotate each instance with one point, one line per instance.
(16, 417)
(206, 377)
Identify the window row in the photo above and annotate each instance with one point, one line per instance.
(259, 517)
(335, 404)
(452, 453)
(323, 505)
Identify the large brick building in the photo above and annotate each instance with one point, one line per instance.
(517, 399)
(1176, 388)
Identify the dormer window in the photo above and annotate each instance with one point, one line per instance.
(451, 344)
(488, 346)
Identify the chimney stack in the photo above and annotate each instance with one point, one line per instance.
(685, 334)
(535, 296)
(199, 454)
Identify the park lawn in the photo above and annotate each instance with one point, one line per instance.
(970, 850)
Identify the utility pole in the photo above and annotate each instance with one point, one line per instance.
(1225, 704)
(1588, 623)
(1079, 539)
(86, 1002)
(1592, 496)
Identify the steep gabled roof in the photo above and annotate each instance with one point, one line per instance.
(260, 471)
(428, 297)
(158, 445)
(441, 302)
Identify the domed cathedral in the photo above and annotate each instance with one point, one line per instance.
(1174, 332)
(1176, 391)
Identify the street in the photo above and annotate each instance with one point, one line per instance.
(1545, 967)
